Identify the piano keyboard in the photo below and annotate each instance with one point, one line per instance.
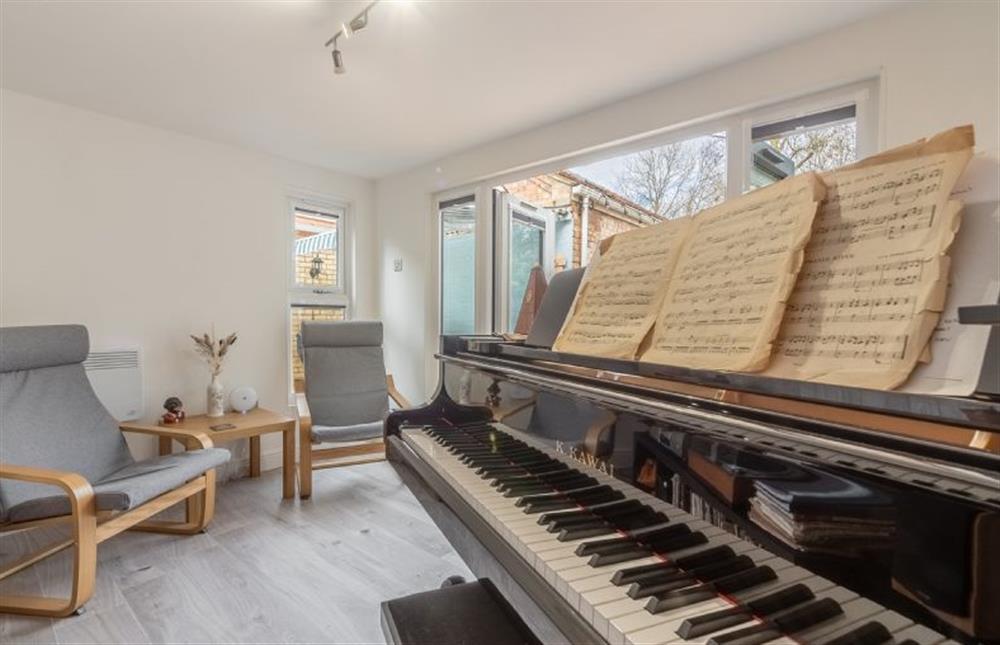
(639, 570)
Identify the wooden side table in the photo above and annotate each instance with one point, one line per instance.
(251, 426)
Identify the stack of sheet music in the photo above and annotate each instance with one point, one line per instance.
(822, 513)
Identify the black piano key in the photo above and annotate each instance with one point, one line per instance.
(762, 607)
(558, 520)
(666, 545)
(744, 580)
(680, 598)
(787, 622)
(635, 553)
(588, 548)
(747, 636)
(584, 531)
(643, 518)
(631, 574)
(661, 585)
(780, 600)
(698, 592)
(571, 499)
(713, 622)
(663, 588)
(804, 617)
(573, 494)
(871, 633)
(601, 547)
(705, 557)
(722, 568)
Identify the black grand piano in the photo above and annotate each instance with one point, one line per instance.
(620, 502)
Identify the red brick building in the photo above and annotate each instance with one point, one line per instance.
(597, 212)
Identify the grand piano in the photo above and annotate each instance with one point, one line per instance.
(621, 502)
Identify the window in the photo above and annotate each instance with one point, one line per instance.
(556, 218)
(317, 249)
(319, 278)
(818, 141)
(458, 265)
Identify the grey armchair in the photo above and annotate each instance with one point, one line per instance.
(54, 432)
(346, 396)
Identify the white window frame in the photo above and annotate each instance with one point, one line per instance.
(736, 124)
(298, 295)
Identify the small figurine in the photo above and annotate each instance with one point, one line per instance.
(174, 411)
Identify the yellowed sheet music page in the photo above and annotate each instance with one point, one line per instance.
(724, 304)
(620, 295)
(876, 269)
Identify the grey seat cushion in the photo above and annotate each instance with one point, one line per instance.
(49, 414)
(357, 432)
(129, 487)
(345, 373)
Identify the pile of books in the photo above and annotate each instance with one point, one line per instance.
(822, 513)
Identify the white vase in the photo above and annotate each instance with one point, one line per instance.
(216, 400)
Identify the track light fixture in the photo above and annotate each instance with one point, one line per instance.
(347, 30)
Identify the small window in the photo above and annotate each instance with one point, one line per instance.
(815, 142)
(317, 249)
(318, 279)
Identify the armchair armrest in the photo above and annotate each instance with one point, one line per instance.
(302, 408)
(192, 439)
(76, 487)
(395, 394)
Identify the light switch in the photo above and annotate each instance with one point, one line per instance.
(397, 265)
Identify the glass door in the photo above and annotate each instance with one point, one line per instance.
(526, 239)
(458, 265)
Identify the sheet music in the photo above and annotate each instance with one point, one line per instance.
(873, 284)
(622, 291)
(959, 350)
(724, 304)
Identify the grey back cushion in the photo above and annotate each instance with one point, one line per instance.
(49, 414)
(345, 372)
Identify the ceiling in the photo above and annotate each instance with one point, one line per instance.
(426, 79)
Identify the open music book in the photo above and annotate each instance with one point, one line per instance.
(844, 273)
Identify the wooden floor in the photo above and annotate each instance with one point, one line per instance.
(266, 571)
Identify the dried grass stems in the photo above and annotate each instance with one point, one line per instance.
(213, 351)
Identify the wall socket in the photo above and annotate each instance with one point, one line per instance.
(397, 265)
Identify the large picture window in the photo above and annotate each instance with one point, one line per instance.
(556, 218)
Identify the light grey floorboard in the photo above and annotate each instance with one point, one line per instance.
(266, 571)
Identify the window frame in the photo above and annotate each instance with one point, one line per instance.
(297, 295)
(737, 124)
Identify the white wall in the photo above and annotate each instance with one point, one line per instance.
(145, 236)
(938, 64)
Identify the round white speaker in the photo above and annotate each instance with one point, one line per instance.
(243, 399)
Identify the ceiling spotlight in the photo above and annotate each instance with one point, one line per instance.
(347, 30)
(360, 22)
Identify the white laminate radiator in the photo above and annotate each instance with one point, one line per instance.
(116, 376)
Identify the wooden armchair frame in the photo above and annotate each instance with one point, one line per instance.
(90, 528)
(311, 459)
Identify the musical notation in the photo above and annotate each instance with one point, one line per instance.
(622, 291)
(732, 277)
(875, 271)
